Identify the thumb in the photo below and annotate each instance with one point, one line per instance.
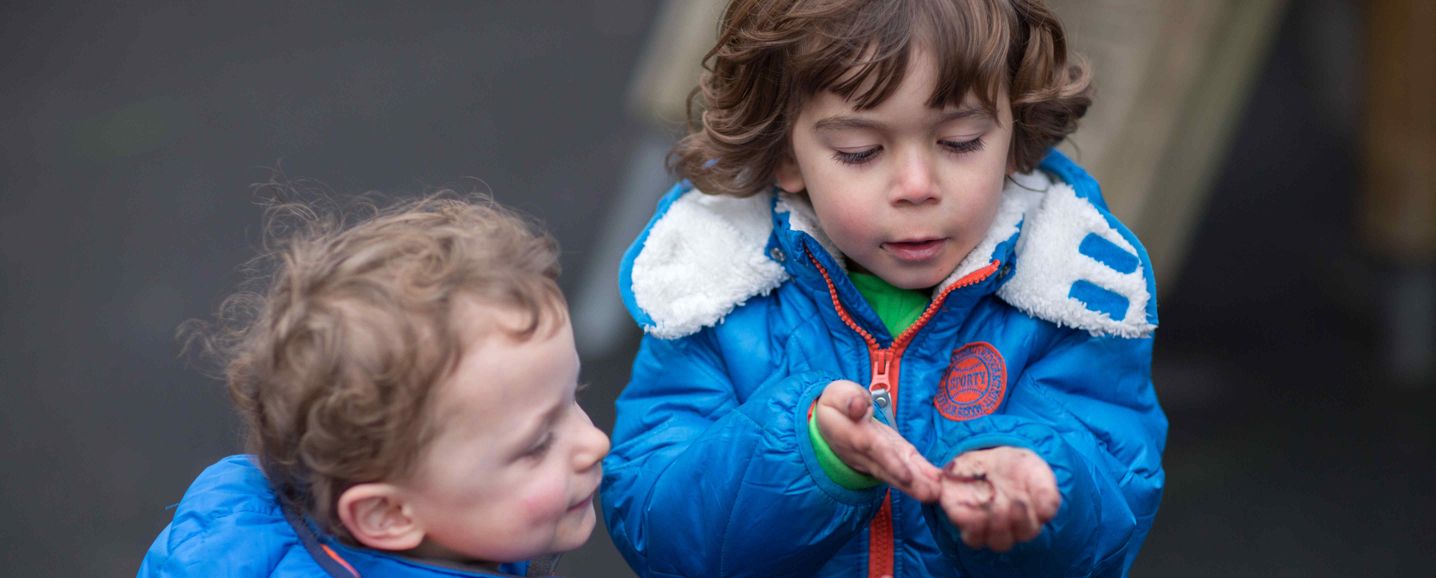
(859, 405)
(849, 399)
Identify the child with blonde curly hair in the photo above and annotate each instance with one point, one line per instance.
(408, 382)
(889, 330)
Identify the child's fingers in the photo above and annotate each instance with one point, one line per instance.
(893, 469)
(925, 486)
(893, 455)
(1022, 477)
(1025, 524)
(1000, 497)
(932, 479)
(1046, 500)
(963, 508)
(844, 418)
(999, 525)
(975, 534)
(1040, 485)
(899, 464)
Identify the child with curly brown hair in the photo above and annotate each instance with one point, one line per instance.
(878, 275)
(408, 382)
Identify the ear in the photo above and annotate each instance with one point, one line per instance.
(788, 175)
(378, 516)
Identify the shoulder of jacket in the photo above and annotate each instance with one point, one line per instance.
(700, 257)
(227, 514)
(1076, 265)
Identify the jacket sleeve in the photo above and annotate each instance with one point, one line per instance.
(703, 483)
(1088, 408)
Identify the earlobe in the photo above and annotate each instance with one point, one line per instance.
(789, 177)
(378, 516)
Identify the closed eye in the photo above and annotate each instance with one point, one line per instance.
(962, 147)
(541, 448)
(856, 157)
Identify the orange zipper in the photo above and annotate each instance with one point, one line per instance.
(886, 365)
(335, 555)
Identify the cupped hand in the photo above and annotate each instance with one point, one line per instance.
(845, 418)
(999, 497)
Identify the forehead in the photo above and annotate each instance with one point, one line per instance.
(829, 111)
(864, 57)
(504, 376)
(912, 95)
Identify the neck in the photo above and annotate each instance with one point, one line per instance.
(436, 555)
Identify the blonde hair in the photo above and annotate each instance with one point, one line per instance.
(334, 360)
(773, 55)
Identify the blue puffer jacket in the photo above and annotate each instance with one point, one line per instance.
(229, 525)
(1041, 339)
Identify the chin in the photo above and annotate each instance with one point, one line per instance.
(918, 282)
(571, 534)
(585, 527)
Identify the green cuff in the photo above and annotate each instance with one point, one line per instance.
(832, 465)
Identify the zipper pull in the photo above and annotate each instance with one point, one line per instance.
(880, 386)
(884, 402)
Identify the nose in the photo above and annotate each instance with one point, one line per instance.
(591, 447)
(915, 182)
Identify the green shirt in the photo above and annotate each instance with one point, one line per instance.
(898, 309)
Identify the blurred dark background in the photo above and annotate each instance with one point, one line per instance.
(134, 130)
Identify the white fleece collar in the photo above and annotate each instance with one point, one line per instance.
(702, 258)
(1071, 261)
(707, 255)
(1019, 197)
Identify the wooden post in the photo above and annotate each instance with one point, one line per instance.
(1398, 198)
(1172, 77)
(1398, 203)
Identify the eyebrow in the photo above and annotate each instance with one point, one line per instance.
(844, 122)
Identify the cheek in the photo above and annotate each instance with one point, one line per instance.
(841, 211)
(545, 497)
(835, 218)
(979, 189)
(848, 228)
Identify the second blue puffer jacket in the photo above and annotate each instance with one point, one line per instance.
(1041, 339)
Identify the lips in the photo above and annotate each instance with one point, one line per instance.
(917, 250)
(584, 503)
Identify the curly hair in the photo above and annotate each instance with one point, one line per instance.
(773, 55)
(333, 360)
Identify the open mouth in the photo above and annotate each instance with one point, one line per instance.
(914, 250)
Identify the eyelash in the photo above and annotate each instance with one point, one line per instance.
(542, 448)
(963, 147)
(863, 156)
(856, 158)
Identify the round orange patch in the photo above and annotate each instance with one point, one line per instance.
(975, 384)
